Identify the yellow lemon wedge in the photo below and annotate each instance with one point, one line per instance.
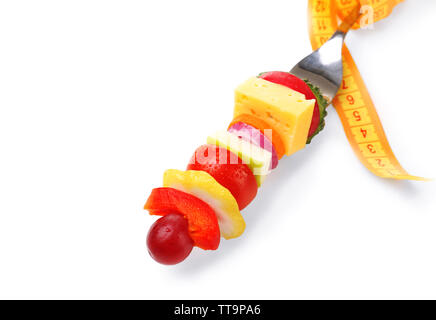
(203, 186)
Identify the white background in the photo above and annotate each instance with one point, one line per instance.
(98, 98)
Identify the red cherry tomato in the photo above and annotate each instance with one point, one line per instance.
(288, 80)
(228, 169)
(168, 240)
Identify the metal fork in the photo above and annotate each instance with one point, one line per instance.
(323, 67)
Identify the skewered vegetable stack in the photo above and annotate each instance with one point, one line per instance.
(276, 114)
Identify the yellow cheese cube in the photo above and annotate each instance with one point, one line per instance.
(286, 110)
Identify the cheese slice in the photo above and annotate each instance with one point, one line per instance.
(286, 110)
(258, 159)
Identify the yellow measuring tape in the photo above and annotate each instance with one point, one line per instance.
(353, 103)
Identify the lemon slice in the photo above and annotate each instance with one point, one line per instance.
(203, 186)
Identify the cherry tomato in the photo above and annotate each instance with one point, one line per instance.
(236, 177)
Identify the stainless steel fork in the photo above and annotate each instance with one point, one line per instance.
(323, 67)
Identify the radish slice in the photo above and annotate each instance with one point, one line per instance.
(256, 137)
